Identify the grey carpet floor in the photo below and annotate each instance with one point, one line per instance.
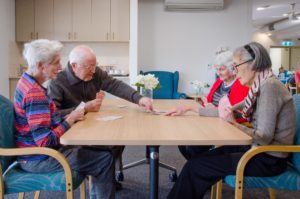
(136, 181)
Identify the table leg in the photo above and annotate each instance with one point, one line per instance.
(154, 159)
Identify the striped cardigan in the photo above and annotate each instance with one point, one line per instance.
(37, 122)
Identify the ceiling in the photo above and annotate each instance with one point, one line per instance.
(274, 12)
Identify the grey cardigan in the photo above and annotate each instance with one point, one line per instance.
(274, 117)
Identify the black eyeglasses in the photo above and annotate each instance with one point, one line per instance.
(235, 66)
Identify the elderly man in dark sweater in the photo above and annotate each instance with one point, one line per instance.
(82, 81)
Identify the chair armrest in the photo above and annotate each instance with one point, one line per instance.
(34, 151)
(239, 183)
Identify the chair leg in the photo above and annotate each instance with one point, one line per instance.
(219, 189)
(21, 195)
(272, 193)
(140, 162)
(90, 183)
(163, 165)
(216, 190)
(82, 190)
(37, 195)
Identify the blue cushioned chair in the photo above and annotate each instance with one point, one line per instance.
(16, 180)
(289, 180)
(169, 85)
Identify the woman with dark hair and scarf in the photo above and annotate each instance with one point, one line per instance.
(270, 110)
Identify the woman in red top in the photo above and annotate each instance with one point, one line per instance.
(226, 84)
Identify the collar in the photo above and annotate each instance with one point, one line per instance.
(71, 76)
(32, 80)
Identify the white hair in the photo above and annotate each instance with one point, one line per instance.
(40, 51)
(224, 57)
(78, 54)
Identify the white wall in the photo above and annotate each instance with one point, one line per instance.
(265, 40)
(7, 37)
(275, 55)
(187, 41)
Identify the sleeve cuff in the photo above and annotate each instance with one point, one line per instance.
(65, 125)
(136, 97)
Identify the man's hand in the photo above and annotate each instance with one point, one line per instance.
(100, 95)
(146, 103)
(94, 105)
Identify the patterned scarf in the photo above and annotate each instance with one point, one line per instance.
(250, 100)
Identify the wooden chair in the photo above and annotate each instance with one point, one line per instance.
(288, 180)
(16, 180)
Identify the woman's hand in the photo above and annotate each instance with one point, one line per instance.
(75, 116)
(209, 105)
(177, 111)
(225, 110)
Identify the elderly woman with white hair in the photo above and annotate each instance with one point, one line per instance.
(226, 84)
(270, 110)
(39, 125)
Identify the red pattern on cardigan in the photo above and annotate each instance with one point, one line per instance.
(237, 93)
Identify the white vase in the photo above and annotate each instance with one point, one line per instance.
(146, 92)
(198, 91)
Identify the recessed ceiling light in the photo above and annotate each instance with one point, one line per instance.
(262, 7)
(285, 14)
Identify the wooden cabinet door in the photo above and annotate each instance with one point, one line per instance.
(43, 19)
(24, 20)
(63, 20)
(82, 20)
(100, 20)
(120, 13)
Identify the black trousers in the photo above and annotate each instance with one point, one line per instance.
(191, 151)
(202, 171)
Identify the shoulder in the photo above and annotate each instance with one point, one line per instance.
(271, 84)
(217, 83)
(275, 89)
(61, 79)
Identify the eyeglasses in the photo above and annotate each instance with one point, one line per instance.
(88, 66)
(235, 66)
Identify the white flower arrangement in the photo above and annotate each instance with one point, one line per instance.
(199, 84)
(148, 81)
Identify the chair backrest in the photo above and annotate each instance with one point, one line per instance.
(296, 156)
(168, 84)
(7, 129)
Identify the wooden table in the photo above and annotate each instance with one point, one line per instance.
(137, 127)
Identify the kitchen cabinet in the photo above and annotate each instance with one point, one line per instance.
(120, 14)
(43, 19)
(73, 20)
(34, 19)
(82, 20)
(24, 20)
(63, 29)
(110, 20)
(100, 21)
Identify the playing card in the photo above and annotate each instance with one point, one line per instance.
(109, 118)
(80, 106)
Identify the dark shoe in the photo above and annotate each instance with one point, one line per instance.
(119, 186)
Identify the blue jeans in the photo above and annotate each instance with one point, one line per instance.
(91, 161)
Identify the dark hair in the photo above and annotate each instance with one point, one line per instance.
(256, 52)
